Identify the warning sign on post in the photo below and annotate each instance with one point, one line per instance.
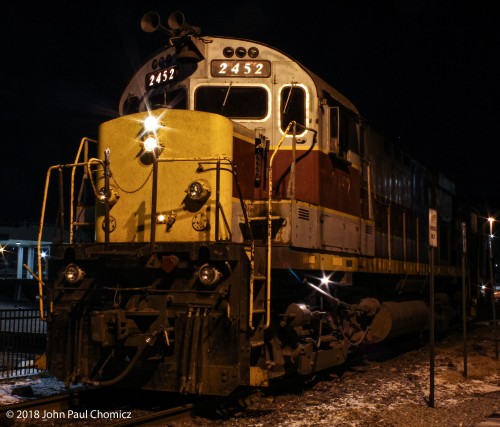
(433, 228)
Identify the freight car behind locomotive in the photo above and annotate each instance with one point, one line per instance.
(249, 224)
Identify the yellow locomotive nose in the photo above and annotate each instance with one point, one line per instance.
(165, 165)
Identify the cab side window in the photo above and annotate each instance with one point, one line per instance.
(292, 106)
(348, 133)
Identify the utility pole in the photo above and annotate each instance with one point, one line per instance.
(491, 220)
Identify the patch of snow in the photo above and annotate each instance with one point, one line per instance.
(41, 386)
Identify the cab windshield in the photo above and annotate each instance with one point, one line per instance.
(235, 102)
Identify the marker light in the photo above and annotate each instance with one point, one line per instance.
(209, 275)
(73, 274)
(166, 218)
(111, 197)
(150, 143)
(228, 52)
(198, 191)
(240, 52)
(151, 124)
(253, 52)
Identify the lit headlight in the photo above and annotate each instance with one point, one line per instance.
(151, 124)
(151, 149)
(198, 191)
(73, 274)
(150, 143)
(209, 275)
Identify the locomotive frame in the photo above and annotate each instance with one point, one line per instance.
(249, 224)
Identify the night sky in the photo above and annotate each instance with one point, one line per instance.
(424, 72)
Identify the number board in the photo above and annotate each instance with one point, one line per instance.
(162, 77)
(240, 68)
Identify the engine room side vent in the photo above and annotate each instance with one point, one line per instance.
(303, 213)
(368, 229)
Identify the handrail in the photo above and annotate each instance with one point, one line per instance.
(59, 167)
(40, 234)
(269, 210)
(269, 226)
(83, 143)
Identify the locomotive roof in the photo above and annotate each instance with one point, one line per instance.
(321, 85)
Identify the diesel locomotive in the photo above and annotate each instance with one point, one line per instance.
(239, 222)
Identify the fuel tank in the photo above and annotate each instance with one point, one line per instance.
(396, 319)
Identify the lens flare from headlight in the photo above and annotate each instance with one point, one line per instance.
(209, 275)
(326, 280)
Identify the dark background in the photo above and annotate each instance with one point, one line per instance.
(424, 72)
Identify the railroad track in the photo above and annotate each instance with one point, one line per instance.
(153, 418)
(58, 410)
(96, 406)
(33, 409)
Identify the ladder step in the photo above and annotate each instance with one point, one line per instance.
(259, 277)
(264, 218)
(258, 310)
(254, 344)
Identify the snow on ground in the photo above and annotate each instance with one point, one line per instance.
(376, 393)
(41, 385)
(389, 393)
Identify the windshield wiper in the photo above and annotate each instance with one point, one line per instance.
(285, 108)
(225, 98)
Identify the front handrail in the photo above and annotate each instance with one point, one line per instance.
(59, 168)
(83, 144)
